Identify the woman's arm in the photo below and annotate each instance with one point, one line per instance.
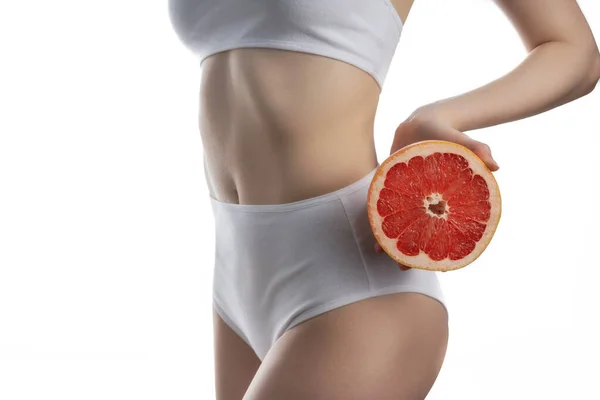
(563, 64)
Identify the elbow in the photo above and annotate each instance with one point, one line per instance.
(593, 75)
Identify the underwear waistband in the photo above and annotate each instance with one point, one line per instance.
(296, 205)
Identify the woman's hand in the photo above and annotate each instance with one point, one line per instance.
(425, 124)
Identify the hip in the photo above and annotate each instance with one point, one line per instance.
(288, 262)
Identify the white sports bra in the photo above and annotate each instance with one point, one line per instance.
(363, 33)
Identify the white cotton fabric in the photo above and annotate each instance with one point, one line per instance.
(363, 33)
(279, 265)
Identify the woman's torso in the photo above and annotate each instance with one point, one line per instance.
(281, 126)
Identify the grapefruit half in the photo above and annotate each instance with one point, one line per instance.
(434, 205)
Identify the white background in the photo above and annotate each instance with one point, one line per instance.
(106, 234)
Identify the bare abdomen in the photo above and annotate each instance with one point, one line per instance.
(280, 126)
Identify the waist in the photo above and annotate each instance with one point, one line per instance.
(262, 168)
(273, 133)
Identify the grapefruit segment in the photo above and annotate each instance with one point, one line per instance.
(395, 224)
(408, 241)
(478, 211)
(461, 245)
(434, 205)
(390, 202)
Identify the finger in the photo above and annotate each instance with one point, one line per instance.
(403, 267)
(484, 152)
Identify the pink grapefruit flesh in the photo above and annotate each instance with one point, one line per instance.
(434, 205)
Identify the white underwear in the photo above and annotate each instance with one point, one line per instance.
(279, 265)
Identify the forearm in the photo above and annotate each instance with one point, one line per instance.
(553, 74)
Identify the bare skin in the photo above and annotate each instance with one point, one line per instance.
(235, 362)
(359, 352)
(354, 352)
(309, 132)
(280, 126)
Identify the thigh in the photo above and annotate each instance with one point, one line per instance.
(235, 362)
(387, 347)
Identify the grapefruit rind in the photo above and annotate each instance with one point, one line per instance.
(424, 149)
